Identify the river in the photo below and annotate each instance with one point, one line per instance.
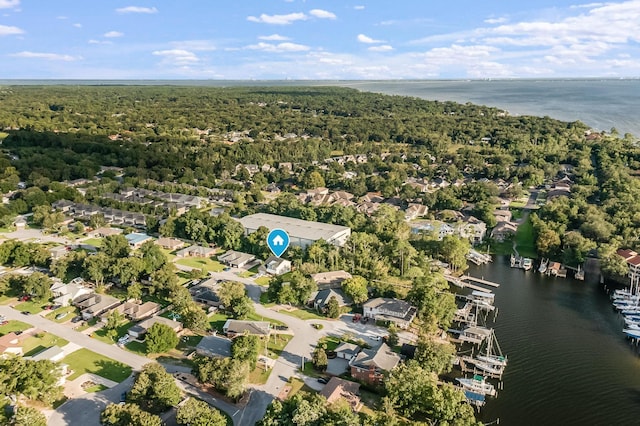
(569, 363)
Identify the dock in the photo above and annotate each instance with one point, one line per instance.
(479, 280)
(463, 284)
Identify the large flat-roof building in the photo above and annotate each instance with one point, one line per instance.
(302, 233)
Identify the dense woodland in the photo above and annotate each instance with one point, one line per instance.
(196, 138)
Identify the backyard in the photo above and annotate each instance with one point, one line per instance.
(206, 264)
(525, 243)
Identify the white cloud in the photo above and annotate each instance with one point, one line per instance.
(586, 6)
(278, 19)
(381, 48)
(62, 17)
(137, 9)
(113, 34)
(278, 48)
(77, 25)
(495, 20)
(273, 37)
(46, 56)
(368, 40)
(194, 45)
(8, 4)
(177, 56)
(94, 41)
(359, 7)
(6, 30)
(322, 14)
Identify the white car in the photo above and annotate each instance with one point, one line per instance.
(376, 338)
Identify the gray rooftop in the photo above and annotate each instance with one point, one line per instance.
(296, 228)
(384, 358)
(214, 346)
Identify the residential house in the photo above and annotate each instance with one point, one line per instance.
(332, 279)
(170, 243)
(104, 232)
(338, 389)
(196, 251)
(139, 330)
(347, 350)
(415, 211)
(236, 259)
(93, 305)
(20, 222)
(422, 228)
(503, 215)
(473, 229)
(503, 230)
(10, 345)
(66, 294)
(134, 311)
(633, 263)
(372, 197)
(136, 239)
(321, 298)
(370, 365)
(397, 311)
(54, 354)
(275, 266)
(444, 230)
(58, 252)
(206, 292)
(233, 328)
(214, 347)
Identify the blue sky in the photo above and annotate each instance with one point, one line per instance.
(318, 39)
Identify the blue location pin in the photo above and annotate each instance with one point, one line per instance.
(278, 241)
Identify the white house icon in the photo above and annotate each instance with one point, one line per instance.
(277, 241)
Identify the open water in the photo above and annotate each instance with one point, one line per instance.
(569, 363)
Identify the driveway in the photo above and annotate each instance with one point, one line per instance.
(35, 234)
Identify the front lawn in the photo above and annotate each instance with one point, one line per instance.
(32, 306)
(276, 345)
(206, 264)
(304, 314)
(96, 242)
(246, 274)
(70, 312)
(96, 388)
(256, 317)
(41, 341)
(86, 361)
(13, 325)
(330, 342)
(263, 281)
(259, 376)
(121, 331)
(217, 321)
(136, 347)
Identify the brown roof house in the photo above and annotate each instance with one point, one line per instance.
(134, 311)
(10, 345)
(332, 279)
(169, 243)
(140, 329)
(233, 328)
(339, 389)
(370, 365)
(94, 305)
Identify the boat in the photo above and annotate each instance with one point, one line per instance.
(490, 358)
(474, 334)
(543, 266)
(633, 333)
(474, 398)
(477, 384)
(579, 274)
(527, 264)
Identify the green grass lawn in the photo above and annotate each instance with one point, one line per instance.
(309, 370)
(206, 264)
(524, 240)
(276, 345)
(183, 278)
(86, 361)
(32, 306)
(188, 342)
(96, 388)
(121, 331)
(217, 321)
(86, 324)
(13, 325)
(331, 342)
(69, 310)
(304, 314)
(259, 376)
(246, 274)
(516, 213)
(263, 281)
(96, 242)
(41, 341)
(139, 348)
(256, 317)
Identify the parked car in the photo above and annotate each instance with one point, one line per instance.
(323, 380)
(61, 315)
(376, 338)
(25, 298)
(77, 318)
(227, 269)
(123, 397)
(49, 307)
(282, 327)
(26, 313)
(356, 317)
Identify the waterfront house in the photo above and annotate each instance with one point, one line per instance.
(370, 365)
(397, 311)
(503, 230)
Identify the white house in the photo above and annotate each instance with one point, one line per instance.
(386, 309)
(275, 266)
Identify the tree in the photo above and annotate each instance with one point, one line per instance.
(38, 285)
(434, 356)
(312, 180)
(152, 256)
(116, 246)
(229, 292)
(128, 415)
(393, 338)
(245, 348)
(134, 291)
(319, 358)
(356, 289)
(36, 380)
(113, 321)
(194, 412)
(333, 307)
(96, 267)
(154, 389)
(28, 416)
(160, 338)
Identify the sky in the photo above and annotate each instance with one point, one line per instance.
(318, 39)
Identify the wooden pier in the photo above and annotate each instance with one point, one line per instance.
(463, 284)
(479, 280)
(467, 365)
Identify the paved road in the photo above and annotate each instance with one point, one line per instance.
(35, 234)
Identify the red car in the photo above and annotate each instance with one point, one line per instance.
(4, 322)
(25, 298)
